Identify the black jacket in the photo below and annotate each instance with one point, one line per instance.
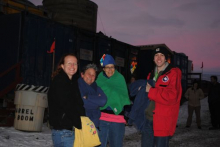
(214, 94)
(65, 103)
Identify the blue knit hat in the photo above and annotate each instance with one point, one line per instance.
(107, 59)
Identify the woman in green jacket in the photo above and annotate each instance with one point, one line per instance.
(112, 122)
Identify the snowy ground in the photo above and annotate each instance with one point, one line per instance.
(184, 137)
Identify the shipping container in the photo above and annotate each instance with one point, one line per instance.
(132, 62)
(85, 47)
(10, 45)
(29, 42)
(181, 60)
(120, 54)
(38, 36)
(27, 37)
(145, 64)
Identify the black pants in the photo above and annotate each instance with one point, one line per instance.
(215, 114)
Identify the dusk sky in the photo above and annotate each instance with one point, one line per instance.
(190, 26)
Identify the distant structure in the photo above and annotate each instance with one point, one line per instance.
(79, 13)
(190, 66)
(18, 6)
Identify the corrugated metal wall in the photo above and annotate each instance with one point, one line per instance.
(145, 63)
(181, 61)
(120, 54)
(32, 36)
(9, 46)
(37, 36)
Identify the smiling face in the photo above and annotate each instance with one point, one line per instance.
(70, 65)
(89, 76)
(109, 70)
(160, 61)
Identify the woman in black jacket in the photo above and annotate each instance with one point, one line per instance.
(65, 103)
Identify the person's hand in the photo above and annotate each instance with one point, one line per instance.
(148, 87)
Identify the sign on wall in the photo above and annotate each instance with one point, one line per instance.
(119, 61)
(86, 54)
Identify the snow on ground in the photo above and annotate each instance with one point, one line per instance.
(184, 137)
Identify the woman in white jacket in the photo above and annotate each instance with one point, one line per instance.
(194, 94)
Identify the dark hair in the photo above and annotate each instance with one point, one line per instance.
(59, 68)
(93, 66)
(195, 82)
(214, 77)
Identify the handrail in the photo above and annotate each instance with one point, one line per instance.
(11, 68)
(17, 80)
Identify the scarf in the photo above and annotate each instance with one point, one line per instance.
(116, 91)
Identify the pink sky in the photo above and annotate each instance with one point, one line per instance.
(190, 26)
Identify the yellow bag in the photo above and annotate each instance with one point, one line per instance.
(88, 135)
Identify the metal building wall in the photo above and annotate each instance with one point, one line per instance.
(10, 28)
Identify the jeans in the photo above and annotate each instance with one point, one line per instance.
(162, 141)
(149, 140)
(147, 134)
(63, 138)
(112, 132)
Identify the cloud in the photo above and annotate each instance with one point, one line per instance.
(148, 20)
(198, 5)
(215, 24)
(192, 6)
(162, 22)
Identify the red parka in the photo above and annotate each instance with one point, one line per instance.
(166, 94)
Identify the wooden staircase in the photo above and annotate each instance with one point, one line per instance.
(7, 113)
